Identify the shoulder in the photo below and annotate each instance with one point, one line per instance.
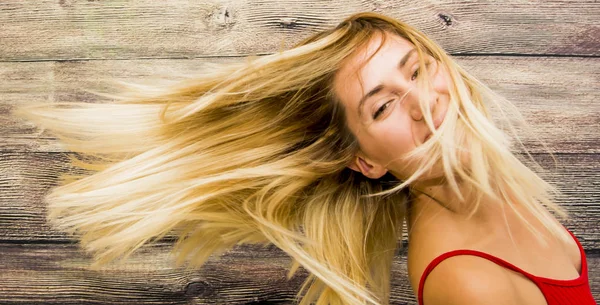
(467, 279)
(460, 279)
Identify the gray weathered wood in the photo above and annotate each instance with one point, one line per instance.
(558, 96)
(69, 29)
(247, 274)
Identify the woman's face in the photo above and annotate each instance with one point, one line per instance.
(384, 113)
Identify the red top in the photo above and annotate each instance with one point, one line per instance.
(557, 292)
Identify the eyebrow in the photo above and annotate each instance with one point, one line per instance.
(380, 87)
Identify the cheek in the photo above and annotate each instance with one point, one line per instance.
(389, 140)
(440, 79)
(398, 139)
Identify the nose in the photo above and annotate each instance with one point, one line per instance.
(415, 108)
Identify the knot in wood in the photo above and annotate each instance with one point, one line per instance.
(288, 22)
(195, 289)
(446, 18)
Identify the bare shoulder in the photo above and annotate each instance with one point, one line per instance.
(466, 279)
(461, 279)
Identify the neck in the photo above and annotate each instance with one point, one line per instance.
(442, 196)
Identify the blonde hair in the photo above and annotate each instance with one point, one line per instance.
(257, 152)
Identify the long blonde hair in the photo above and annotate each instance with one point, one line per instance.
(257, 152)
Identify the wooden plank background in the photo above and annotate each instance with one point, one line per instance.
(543, 55)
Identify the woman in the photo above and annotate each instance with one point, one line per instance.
(324, 150)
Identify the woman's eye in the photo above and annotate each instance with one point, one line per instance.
(381, 109)
(414, 76)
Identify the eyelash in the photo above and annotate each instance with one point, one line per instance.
(384, 106)
(381, 109)
(415, 74)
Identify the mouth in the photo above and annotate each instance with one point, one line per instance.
(436, 124)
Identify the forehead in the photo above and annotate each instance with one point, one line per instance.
(364, 68)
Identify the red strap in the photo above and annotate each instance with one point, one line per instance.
(501, 262)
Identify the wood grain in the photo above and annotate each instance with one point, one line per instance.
(73, 30)
(28, 176)
(558, 96)
(247, 274)
(542, 55)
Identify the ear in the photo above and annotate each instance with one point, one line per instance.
(368, 168)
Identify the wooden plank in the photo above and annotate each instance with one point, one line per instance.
(59, 274)
(28, 176)
(67, 29)
(558, 96)
(247, 274)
